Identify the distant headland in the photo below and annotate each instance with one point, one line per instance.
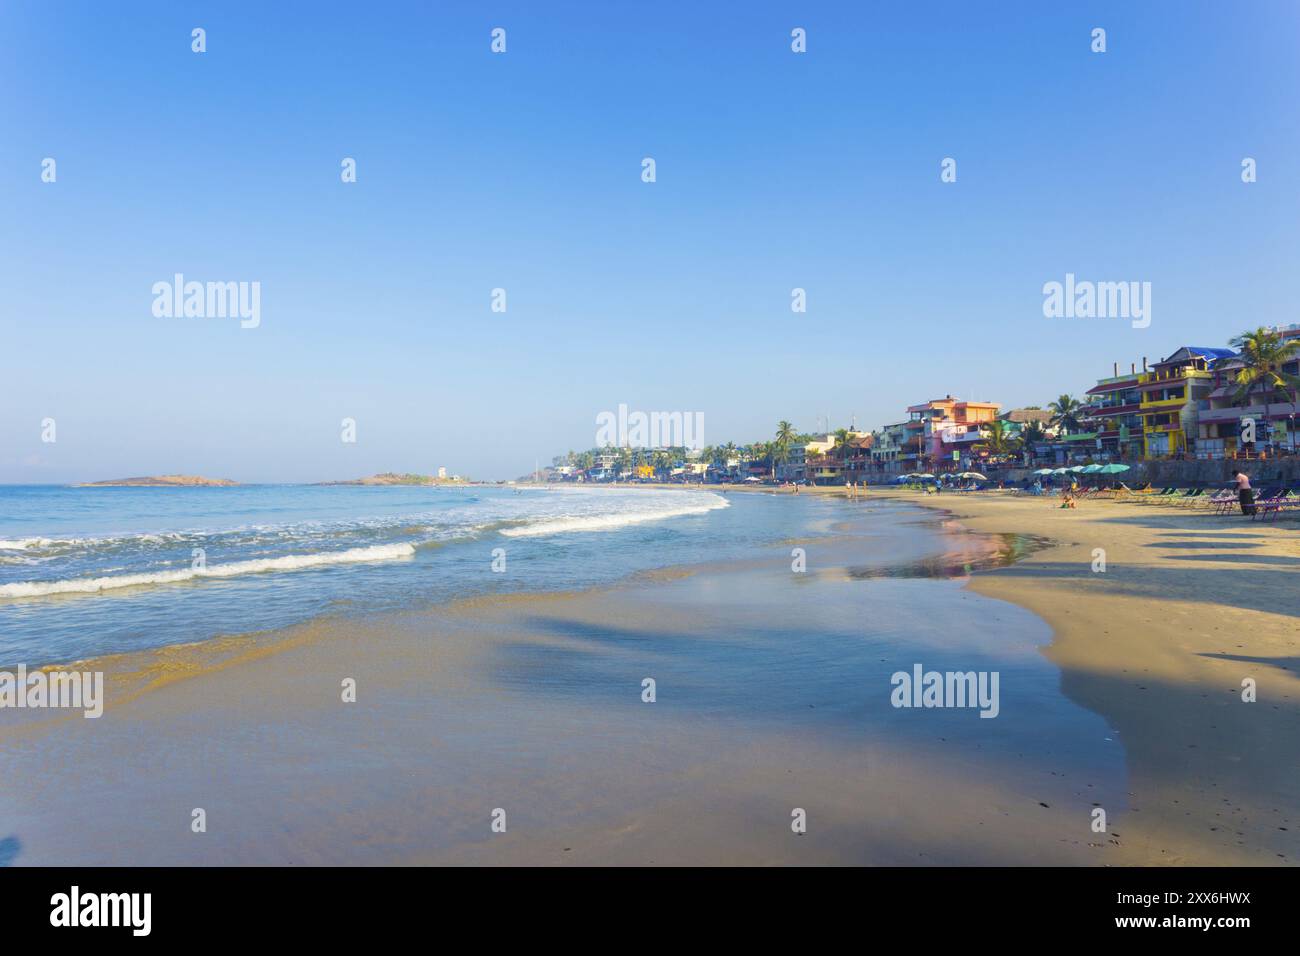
(162, 481)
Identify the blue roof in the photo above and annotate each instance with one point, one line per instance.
(1214, 353)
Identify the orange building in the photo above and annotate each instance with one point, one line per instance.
(948, 430)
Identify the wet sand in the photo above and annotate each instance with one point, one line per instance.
(1189, 606)
(768, 700)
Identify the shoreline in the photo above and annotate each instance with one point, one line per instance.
(1203, 787)
(590, 778)
(1189, 606)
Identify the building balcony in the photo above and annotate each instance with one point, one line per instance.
(1172, 376)
(1163, 403)
(1234, 414)
(1111, 411)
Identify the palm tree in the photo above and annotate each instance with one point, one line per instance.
(707, 454)
(841, 449)
(999, 441)
(1263, 353)
(729, 452)
(784, 438)
(1032, 432)
(661, 461)
(1065, 413)
(810, 457)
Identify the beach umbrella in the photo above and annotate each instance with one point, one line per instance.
(974, 475)
(1091, 469)
(1043, 471)
(1113, 469)
(924, 474)
(1060, 471)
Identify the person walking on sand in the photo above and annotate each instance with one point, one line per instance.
(1245, 494)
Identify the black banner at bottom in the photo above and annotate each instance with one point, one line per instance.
(304, 905)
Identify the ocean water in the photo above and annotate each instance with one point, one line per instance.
(783, 680)
(90, 571)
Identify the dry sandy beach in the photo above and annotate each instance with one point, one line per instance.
(1189, 606)
(487, 703)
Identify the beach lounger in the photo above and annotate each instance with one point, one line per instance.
(1142, 491)
(1260, 495)
(1269, 507)
(1123, 492)
(1225, 505)
(1219, 500)
(1162, 495)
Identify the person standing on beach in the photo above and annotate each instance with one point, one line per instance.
(1245, 494)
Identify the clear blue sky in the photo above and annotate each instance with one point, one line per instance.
(522, 171)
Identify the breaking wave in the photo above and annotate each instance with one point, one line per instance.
(611, 522)
(290, 562)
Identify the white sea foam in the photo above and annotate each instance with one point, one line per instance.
(290, 562)
(22, 544)
(610, 522)
(66, 544)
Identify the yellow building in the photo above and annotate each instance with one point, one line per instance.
(1171, 393)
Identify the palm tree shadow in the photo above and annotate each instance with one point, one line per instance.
(1286, 663)
(10, 847)
(1246, 585)
(1278, 559)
